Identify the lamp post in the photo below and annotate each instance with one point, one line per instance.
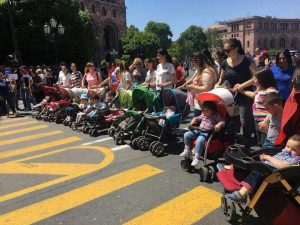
(17, 55)
(53, 33)
(114, 53)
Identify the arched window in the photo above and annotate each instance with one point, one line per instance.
(103, 10)
(114, 13)
(265, 43)
(93, 8)
(81, 6)
(294, 44)
(272, 44)
(282, 43)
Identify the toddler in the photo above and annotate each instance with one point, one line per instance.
(210, 120)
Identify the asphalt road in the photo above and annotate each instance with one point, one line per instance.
(50, 174)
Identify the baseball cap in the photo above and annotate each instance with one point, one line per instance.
(84, 96)
(264, 53)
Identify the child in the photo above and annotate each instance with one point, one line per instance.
(111, 100)
(265, 83)
(169, 111)
(289, 156)
(210, 120)
(273, 104)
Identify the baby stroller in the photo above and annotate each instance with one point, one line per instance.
(276, 201)
(131, 127)
(56, 112)
(41, 108)
(156, 134)
(71, 113)
(217, 142)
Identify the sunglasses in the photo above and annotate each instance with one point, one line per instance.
(228, 50)
(90, 66)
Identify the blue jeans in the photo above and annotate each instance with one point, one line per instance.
(28, 99)
(251, 180)
(200, 138)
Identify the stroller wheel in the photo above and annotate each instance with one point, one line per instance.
(144, 144)
(111, 132)
(159, 149)
(228, 209)
(151, 149)
(86, 130)
(212, 172)
(119, 138)
(133, 144)
(95, 133)
(186, 164)
(204, 174)
(90, 131)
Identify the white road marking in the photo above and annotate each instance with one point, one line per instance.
(120, 147)
(97, 141)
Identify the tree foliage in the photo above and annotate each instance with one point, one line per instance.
(162, 31)
(76, 45)
(214, 40)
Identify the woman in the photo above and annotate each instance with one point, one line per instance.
(126, 80)
(150, 81)
(37, 86)
(64, 78)
(138, 72)
(220, 56)
(76, 76)
(165, 73)
(180, 73)
(203, 80)
(283, 71)
(238, 71)
(91, 80)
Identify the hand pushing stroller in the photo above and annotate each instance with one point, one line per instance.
(217, 142)
(276, 201)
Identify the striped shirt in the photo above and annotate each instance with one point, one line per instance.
(259, 111)
(75, 79)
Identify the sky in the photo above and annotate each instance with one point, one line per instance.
(180, 14)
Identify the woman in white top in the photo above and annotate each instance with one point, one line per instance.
(150, 81)
(203, 80)
(126, 80)
(64, 78)
(165, 72)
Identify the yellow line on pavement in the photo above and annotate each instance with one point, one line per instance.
(34, 148)
(83, 170)
(30, 137)
(12, 120)
(7, 133)
(60, 203)
(17, 125)
(185, 209)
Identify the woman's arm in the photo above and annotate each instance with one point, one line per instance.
(83, 80)
(249, 94)
(207, 81)
(128, 84)
(221, 79)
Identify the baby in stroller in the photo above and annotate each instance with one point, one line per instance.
(289, 156)
(211, 120)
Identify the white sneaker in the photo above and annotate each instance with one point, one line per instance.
(195, 162)
(186, 153)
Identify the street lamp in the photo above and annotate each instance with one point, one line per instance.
(53, 33)
(114, 53)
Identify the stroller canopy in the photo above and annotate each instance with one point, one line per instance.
(143, 99)
(177, 98)
(217, 95)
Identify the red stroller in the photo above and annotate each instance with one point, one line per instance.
(276, 201)
(217, 143)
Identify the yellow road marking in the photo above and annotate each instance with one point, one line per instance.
(30, 137)
(50, 207)
(82, 170)
(17, 125)
(34, 148)
(12, 120)
(185, 209)
(7, 133)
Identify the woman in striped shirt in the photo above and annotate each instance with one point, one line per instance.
(265, 83)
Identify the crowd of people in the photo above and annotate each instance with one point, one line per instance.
(260, 88)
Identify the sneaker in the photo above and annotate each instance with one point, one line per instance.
(236, 197)
(220, 166)
(186, 153)
(195, 162)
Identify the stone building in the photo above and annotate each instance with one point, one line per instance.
(109, 21)
(264, 32)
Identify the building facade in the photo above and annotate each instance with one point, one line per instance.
(264, 32)
(109, 22)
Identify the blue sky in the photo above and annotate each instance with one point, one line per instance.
(180, 14)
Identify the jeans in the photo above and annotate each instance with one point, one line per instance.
(261, 136)
(28, 99)
(197, 112)
(251, 180)
(246, 117)
(200, 138)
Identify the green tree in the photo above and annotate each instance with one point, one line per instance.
(162, 31)
(76, 45)
(139, 44)
(192, 39)
(214, 40)
(175, 50)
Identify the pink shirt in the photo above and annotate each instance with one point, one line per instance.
(208, 122)
(92, 79)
